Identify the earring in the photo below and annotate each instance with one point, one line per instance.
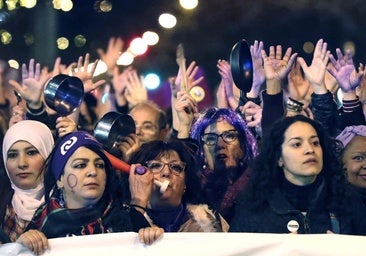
(61, 198)
(280, 163)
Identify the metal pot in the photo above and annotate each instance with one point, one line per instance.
(242, 66)
(64, 94)
(112, 127)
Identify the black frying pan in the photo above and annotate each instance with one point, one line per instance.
(113, 126)
(242, 66)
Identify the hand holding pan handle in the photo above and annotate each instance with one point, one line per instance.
(242, 68)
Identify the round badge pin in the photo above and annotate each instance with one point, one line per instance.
(293, 226)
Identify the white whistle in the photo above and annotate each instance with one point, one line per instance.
(163, 185)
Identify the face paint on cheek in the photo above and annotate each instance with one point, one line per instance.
(72, 181)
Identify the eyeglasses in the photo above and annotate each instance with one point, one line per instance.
(211, 139)
(176, 167)
(147, 127)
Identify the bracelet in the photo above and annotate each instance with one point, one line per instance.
(138, 206)
(36, 112)
(294, 105)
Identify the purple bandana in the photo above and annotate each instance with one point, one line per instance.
(351, 131)
(69, 144)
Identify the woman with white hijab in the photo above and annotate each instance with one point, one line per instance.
(26, 147)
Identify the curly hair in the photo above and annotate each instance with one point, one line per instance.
(210, 116)
(265, 175)
(155, 149)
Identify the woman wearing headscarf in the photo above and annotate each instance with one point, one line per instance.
(26, 147)
(80, 199)
(353, 156)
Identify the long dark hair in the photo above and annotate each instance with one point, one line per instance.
(264, 178)
(154, 149)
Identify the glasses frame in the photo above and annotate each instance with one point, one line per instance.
(147, 163)
(142, 127)
(222, 135)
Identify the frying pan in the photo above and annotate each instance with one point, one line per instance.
(109, 130)
(242, 66)
(64, 94)
(113, 126)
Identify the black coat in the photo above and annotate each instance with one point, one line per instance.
(276, 215)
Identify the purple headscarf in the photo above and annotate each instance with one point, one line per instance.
(351, 131)
(69, 144)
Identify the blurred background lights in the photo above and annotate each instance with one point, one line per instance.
(308, 47)
(188, 4)
(125, 59)
(349, 46)
(62, 43)
(100, 68)
(57, 4)
(11, 4)
(167, 20)
(66, 5)
(105, 6)
(13, 64)
(3, 16)
(151, 81)
(151, 38)
(79, 41)
(28, 3)
(5, 37)
(138, 46)
(28, 39)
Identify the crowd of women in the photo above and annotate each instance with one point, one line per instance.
(290, 158)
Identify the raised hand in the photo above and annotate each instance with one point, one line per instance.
(298, 86)
(227, 81)
(114, 49)
(276, 66)
(31, 89)
(191, 73)
(258, 69)
(345, 72)
(85, 73)
(135, 89)
(316, 71)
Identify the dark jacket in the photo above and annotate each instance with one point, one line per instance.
(332, 119)
(276, 215)
(273, 109)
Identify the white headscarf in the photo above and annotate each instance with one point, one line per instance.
(25, 202)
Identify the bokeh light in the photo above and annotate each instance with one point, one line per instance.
(308, 47)
(138, 46)
(66, 5)
(188, 4)
(99, 69)
(105, 6)
(151, 81)
(13, 64)
(62, 43)
(28, 3)
(349, 45)
(28, 39)
(125, 59)
(150, 37)
(5, 37)
(79, 41)
(167, 20)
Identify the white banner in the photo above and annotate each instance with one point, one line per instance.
(217, 244)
